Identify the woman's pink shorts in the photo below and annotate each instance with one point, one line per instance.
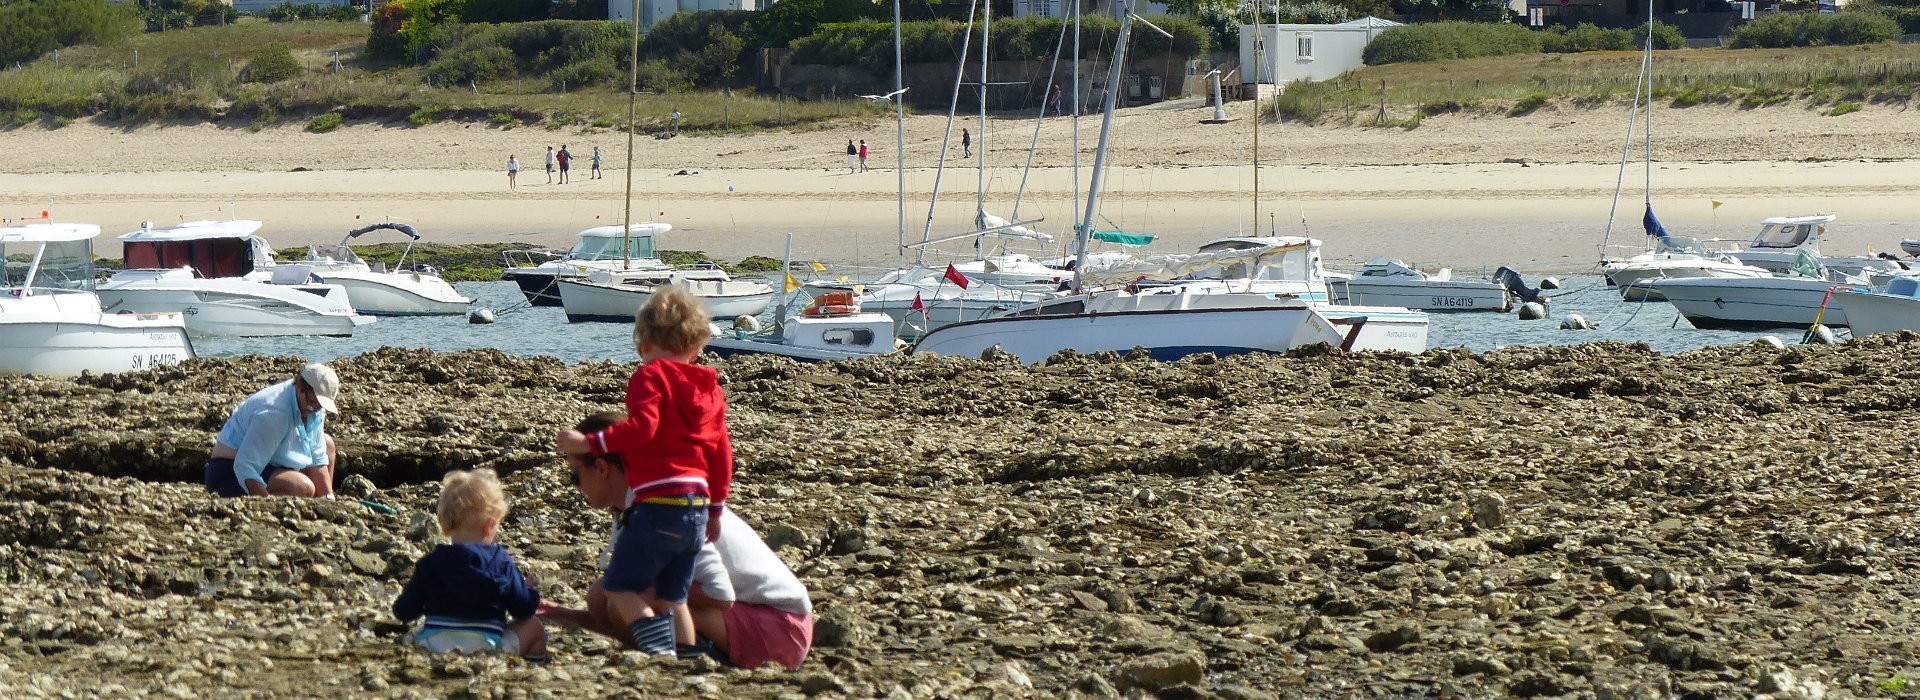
(757, 634)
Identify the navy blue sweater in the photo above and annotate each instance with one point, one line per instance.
(466, 581)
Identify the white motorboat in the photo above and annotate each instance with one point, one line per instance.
(1387, 282)
(1895, 308)
(1755, 302)
(50, 320)
(611, 248)
(373, 289)
(615, 297)
(831, 327)
(921, 299)
(1782, 239)
(1671, 258)
(200, 269)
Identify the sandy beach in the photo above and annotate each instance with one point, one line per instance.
(1468, 190)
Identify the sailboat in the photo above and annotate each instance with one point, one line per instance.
(1167, 325)
(616, 294)
(1665, 256)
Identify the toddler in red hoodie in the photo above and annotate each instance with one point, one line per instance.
(679, 465)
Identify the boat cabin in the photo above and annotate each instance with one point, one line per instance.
(604, 242)
(1788, 232)
(851, 332)
(213, 249)
(47, 257)
(1301, 265)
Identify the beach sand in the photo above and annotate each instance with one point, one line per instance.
(1469, 190)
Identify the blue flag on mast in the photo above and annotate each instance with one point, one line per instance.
(1652, 224)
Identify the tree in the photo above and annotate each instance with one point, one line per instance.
(29, 28)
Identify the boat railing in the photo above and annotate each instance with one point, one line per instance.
(530, 257)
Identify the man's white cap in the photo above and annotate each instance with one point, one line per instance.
(324, 383)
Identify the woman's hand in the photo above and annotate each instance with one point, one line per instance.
(571, 442)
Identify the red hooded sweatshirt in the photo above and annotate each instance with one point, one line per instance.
(674, 441)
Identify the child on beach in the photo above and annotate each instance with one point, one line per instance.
(679, 468)
(468, 589)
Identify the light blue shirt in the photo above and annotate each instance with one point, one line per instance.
(266, 430)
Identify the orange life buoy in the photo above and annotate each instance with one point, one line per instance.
(832, 304)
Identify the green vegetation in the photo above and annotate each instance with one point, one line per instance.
(1887, 73)
(1898, 683)
(424, 115)
(870, 42)
(323, 123)
(1843, 107)
(1809, 29)
(1528, 104)
(271, 64)
(1587, 37)
(288, 12)
(1443, 40)
(32, 28)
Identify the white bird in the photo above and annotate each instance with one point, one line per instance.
(887, 97)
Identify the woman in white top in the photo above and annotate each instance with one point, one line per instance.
(513, 173)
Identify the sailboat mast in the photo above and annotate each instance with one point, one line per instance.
(1647, 61)
(1259, 42)
(900, 135)
(953, 102)
(633, 93)
(1075, 146)
(1100, 151)
(980, 189)
(1641, 85)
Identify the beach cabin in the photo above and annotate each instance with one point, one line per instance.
(1290, 52)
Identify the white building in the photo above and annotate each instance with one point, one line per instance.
(1306, 51)
(652, 11)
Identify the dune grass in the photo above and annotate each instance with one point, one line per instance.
(1521, 84)
(199, 74)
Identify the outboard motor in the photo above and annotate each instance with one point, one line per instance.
(1516, 286)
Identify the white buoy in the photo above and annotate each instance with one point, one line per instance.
(1533, 311)
(1821, 335)
(746, 323)
(480, 314)
(1771, 341)
(1574, 322)
(1549, 283)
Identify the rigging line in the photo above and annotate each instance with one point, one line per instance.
(946, 140)
(1640, 84)
(1045, 95)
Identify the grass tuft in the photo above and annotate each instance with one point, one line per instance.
(324, 123)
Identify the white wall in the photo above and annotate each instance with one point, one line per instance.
(1334, 50)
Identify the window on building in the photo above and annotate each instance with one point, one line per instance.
(1303, 45)
(1040, 8)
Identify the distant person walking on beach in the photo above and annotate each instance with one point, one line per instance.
(549, 165)
(513, 174)
(863, 155)
(596, 163)
(276, 441)
(853, 156)
(966, 144)
(566, 159)
(1055, 100)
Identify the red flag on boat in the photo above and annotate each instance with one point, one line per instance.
(955, 277)
(920, 306)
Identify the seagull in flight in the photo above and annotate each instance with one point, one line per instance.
(887, 97)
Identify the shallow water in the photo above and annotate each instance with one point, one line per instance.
(524, 330)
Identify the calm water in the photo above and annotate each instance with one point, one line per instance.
(544, 330)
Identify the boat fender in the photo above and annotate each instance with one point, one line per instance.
(479, 315)
(1574, 322)
(1549, 283)
(746, 323)
(1533, 311)
(1772, 341)
(1820, 334)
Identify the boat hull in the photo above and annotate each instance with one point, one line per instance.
(1769, 302)
(540, 287)
(1165, 335)
(1877, 312)
(1635, 277)
(736, 347)
(1430, 296)
(237, 311)
(399, 294)
(587, 301)
(66, 334)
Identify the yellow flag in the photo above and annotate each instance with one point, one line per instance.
(1716, 203)
(792, 283)
(817, 267)
(859, 289)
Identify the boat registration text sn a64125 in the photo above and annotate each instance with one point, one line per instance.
(143, 361)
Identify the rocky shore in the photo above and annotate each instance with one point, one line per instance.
(1594, 521)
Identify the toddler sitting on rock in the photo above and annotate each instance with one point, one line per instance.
(470, 588)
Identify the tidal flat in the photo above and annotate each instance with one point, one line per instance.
(1596, 521)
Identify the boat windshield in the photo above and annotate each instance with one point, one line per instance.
(1294, 265)
(65, 265)
(1681, 244)
(608, 248)
(1782, 235)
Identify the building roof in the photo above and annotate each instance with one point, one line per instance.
(1369, 22)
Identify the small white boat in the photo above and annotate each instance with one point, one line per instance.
(372, 289)
(1672, 258)
(1387, 282)
(615, 297)
(1166, 334)
(1754, 302)
(1895, 308)
(831, 327)
(200, 269)
(611, 248)
(938, 300)
(50, 320)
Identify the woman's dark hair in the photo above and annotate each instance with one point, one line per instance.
(601, 421)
